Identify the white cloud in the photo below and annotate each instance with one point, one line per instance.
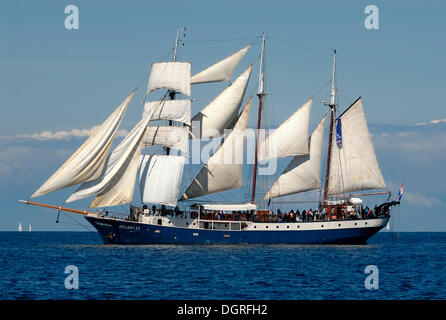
(418, 199)
(436, 121)
(63, 135)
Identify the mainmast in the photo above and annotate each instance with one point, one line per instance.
(260, 95)
(332, 106)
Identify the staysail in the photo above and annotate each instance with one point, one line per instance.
(223, 171)
(290, 138)
(222, 70)
(303, 172)
(114, 186)
(221, 112)
(353, 164)
(88, 161)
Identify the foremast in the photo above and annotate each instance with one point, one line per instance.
(260, 95)
(173, 92)
(332, 106)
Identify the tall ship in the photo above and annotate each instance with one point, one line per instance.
(156, 152)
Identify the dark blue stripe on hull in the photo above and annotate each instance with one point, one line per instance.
(126, 232)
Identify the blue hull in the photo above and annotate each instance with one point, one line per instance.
(132, 233)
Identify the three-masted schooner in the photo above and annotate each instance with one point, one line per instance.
(110, 176)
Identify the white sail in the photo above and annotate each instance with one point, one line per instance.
(29, 228)
(222, 70)
(122, 161)
(119, 190)
(159, 178)
(290, 138)
(221, 112)
(88, 161)
(170, 75)
(19, 227)
(172, 137)
(303, 172)
(223, 171)
(353, 164)
(176, 110)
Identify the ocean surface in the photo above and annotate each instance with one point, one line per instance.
(410, 266)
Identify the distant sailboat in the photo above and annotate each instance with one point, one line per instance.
(20, 227)
(29, 228)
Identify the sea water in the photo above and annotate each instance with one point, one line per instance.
(406, 266)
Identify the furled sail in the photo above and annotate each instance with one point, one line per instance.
(160, 178)
(170, 75)
(303, 172)
(353, 164)
(120, 171)
(172, 137)
(87, 163)
(176, 110)
(223, 171)
(290, 138)
(221, 112)
(222, 70)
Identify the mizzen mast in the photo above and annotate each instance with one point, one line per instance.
(332, 106)
(260, 95)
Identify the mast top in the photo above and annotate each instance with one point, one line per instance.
(261, 77)
(333, 86)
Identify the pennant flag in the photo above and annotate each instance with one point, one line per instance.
(338, 132)
(400, 193)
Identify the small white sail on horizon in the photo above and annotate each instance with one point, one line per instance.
(19, 228)
(87, 162)
(303, 172)
(29, 228)
(222, 70)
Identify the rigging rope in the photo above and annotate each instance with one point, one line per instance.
(300, 46)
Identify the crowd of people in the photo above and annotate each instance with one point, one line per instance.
(324, 214)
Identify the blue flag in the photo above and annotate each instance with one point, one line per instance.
(338, 132)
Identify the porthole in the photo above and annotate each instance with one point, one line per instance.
(298, 227)
(287, 227)
(322, 226)
(339, 224)
(356, 223)
(266, 227)
(366, 223)
(277, 227)
(255, 227)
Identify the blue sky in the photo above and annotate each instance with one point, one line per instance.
(63, 81)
